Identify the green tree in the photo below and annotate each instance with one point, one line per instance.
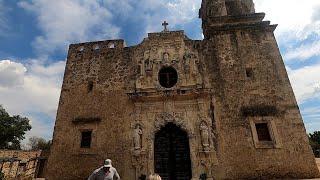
(1, 176)
(38, 143)
(315, 142)
(12, 130)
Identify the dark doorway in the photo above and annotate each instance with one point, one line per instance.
(172, 153)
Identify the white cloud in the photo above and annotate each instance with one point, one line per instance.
(304, 51)
(37, 92)
(297, 21)
(153, 12)
(64, 22)
(312, 118)
(291, 15)
(313, 126)
(305, 82)
(183, 11)
(40, 128)
(11, 73)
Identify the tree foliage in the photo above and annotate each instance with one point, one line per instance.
(315, 142)
(12, 129)
(38, 143)
(1, 176)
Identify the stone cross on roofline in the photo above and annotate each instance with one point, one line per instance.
(165, 24)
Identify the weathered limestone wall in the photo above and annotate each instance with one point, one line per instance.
(226, 84)
(126, 93)
(19, 164)
(104, 110)
(244, 100)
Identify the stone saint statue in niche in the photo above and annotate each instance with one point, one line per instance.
(193, 64)
(186, 64)
(204, 131)
(148, 65)
(147, 62)
(166, 57)
(190, 64)
(137, 137)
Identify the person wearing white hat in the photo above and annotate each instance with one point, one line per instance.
(106, 172)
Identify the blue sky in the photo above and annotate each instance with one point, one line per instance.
(35, 34)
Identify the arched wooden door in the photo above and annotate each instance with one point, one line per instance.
(172, 153)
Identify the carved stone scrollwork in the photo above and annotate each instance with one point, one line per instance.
(138, 162)
(190, 67)
(164, 118)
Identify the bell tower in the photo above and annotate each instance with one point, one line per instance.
(218, 8)
(239, 7)
(212, 8)
(215, 13)
(254, 106)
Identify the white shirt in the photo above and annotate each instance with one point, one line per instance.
(100, 174)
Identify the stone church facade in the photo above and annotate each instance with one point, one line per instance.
(217, 108)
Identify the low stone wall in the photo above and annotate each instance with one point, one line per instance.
(318, 162)
(20, 164)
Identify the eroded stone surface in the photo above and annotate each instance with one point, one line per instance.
(22, 164)
(227, 83)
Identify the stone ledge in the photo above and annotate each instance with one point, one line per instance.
(86, 120)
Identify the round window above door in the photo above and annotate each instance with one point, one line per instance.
(168, 77)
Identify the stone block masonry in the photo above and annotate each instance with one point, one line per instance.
(220, 108)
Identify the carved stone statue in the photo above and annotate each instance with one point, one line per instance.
(140, 68)
(148, 65)
(190, 64)
(166, 57)
(137, 137)
(146, 55)
(204, 131)
(147, 62)
(186, 64)
(193, 65)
